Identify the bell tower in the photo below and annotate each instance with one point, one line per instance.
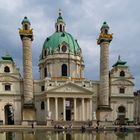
(104, 41)
(26, 35)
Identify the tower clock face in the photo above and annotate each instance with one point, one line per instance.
(64, 48)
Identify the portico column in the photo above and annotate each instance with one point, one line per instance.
(64, 109)
(83, 110)
(87, 110)
(48, 104)
(56, 109)
(48, 109)
(75, 112)
(90, 107)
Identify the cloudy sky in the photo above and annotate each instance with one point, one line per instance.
(83, 20)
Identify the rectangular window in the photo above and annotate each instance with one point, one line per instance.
(7, 87)
(122, 90)
(42, 105)
(42, 88)
(45, 72)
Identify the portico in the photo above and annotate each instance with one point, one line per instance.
(69, 109)
(73, 105)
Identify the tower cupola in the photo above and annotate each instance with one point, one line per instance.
(105, 28)
(26, 30)
(25, 23)
(119, 62)
(104, 35)
(60, 24)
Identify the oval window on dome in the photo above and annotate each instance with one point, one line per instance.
(64, 48)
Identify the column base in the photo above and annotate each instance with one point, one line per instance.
(29, 113)
(103, 113)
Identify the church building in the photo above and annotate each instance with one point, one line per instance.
(63, 94)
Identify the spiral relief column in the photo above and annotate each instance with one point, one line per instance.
(26, 36)
(104, 41)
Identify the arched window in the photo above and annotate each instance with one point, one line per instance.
(63, 28)
(122, 73)
(60, 28)
(6, 69)
(64, 70)
(57, 28)
(121, 109)
(42, 105)
(45, 72)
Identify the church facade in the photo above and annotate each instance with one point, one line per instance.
(63, 94)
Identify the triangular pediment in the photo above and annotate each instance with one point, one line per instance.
(70, 88)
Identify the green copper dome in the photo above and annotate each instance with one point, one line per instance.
(119, 62)
(7, 57)
(52, 43)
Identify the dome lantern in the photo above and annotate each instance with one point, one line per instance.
(60, 24)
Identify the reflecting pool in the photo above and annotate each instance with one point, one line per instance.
(52, 135)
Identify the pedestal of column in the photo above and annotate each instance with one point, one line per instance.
(28, 114)
(103, 115)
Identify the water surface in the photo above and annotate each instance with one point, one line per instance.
(51, 135)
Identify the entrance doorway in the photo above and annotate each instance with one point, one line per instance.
(9, 115)
(68, 114)
(121, 115)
